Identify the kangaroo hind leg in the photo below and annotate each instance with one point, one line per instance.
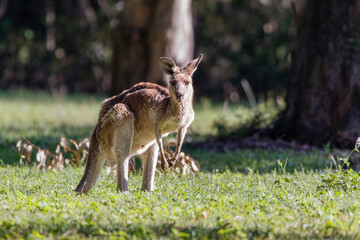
(149, 160)
(123, 137)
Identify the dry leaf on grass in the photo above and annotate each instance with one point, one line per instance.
(50, 161)
(41, 158)
(78, 152)
(184, 164)
(205, 214)
(25, 151)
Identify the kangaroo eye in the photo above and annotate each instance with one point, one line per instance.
(187, 83)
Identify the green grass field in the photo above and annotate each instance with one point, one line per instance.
(248, 194)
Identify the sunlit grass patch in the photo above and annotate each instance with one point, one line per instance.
(43, 119)
(220, 205)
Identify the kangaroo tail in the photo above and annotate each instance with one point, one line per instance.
(93, 166)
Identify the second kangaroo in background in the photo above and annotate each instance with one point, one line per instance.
(134, 122)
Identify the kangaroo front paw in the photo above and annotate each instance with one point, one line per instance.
(164, 164)
(172, 161)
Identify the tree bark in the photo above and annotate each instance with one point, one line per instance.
(148, 30)
(3, 7)
(323, 92)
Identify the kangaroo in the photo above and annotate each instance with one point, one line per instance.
(134, 122)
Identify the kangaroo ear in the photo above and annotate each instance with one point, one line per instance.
(167, 65)
(190, 68)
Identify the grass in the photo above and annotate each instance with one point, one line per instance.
(249, 194)
(208, 112)
(227, 205)
(43, 119)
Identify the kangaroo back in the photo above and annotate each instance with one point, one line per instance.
(110, 102)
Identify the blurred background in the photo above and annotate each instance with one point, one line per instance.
(286, 68)
(105, 46)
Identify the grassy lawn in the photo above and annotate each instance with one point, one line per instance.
(222, 205)
(247, 194)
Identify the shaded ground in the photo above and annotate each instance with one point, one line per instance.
(216, 145)
(254, 143)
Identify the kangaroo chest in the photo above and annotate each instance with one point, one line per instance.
(172, 123)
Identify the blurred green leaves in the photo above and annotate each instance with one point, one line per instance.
(243, 39)
(78, 58)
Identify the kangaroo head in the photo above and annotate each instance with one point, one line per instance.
(180, 84)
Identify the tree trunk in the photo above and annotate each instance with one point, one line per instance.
(150, 29)
(323, 92)
(3, 7)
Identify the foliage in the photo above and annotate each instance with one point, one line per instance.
(259, 118)
(342, 179)
(51, 161)
(66, 45)
(25, 151)
(56, 45)
(208, 111)
(184, 164)
(77, 154)
(243, 39)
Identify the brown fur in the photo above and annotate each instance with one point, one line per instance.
(134, 122)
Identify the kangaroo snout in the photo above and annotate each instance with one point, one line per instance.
(179, 95)
(179, 92)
